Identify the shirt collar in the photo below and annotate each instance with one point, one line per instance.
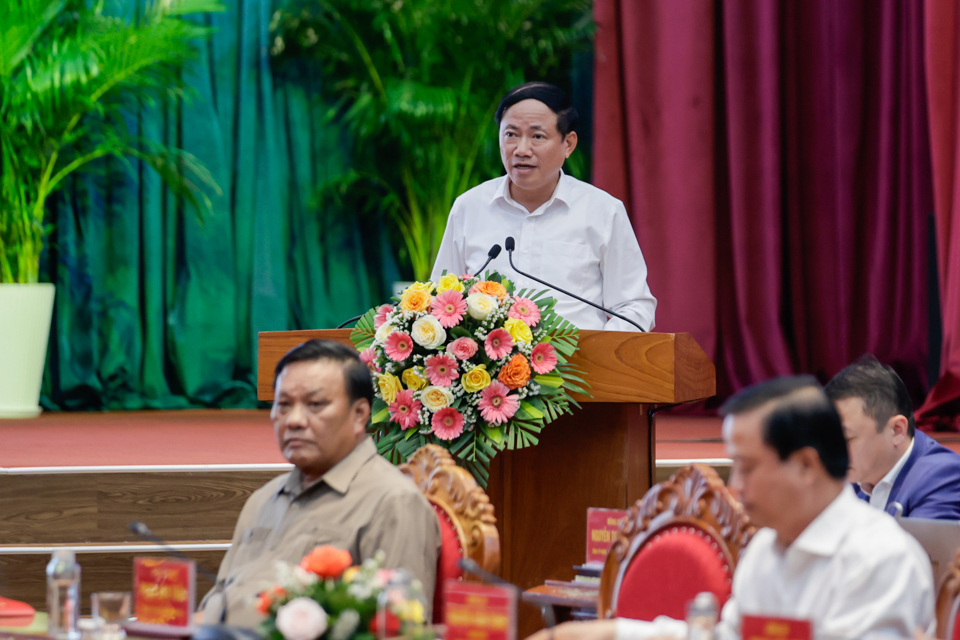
(891, 476)
(339, 477)
(823, 536)
(561, 192)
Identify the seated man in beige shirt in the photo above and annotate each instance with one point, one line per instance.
(341, 492)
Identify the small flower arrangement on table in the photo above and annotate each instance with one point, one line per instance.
(469, 364)
(324, 598)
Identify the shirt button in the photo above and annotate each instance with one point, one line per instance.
(526, 250)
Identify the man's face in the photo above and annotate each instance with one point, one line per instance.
(767, 486)
(531, 146)
(872, 454)
(316, 424)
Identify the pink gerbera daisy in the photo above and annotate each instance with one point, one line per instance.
(495, 405)
(405, 410)
(369, 357)
(398, 346)
(442, 370)
(381, 316)
(498, 344)
(525, 309)
(543, 358)
(447, 423)
(448, 307)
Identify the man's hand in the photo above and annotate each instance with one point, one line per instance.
(592, 630)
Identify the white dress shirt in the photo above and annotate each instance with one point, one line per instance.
(580, 240)
(881, 492)
(853, 572)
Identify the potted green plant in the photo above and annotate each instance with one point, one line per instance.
(69, 73)
(415, 85)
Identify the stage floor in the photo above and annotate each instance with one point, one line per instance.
(244, 437)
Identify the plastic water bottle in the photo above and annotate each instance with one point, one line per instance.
(63, 595)
(702, 616)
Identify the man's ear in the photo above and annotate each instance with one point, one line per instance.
(808, 460)
(361, 414)
(569, 143)
(900, 427)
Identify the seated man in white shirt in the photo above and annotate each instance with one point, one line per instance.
(567, 232)
(896, 467)
(823, 555)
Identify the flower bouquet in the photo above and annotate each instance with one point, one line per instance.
(324, 598)
(469, 364)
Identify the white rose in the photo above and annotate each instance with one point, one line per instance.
(385, 329)
(428, 333)
(301, 619)
(480, 305)
(436, 398)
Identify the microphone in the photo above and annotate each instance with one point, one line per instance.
(346, 322)
(144, 531)
(493, 253)
(511, 245)
(470, 566)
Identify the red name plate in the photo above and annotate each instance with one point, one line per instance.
(602, 525)
(758, 628)
(480, 612)
(163, 591)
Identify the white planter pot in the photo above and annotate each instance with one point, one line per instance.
(25, 313)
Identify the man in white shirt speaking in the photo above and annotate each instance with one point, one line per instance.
(823, 556)
(567, 232)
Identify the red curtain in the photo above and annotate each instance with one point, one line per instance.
(943, 89)
(775, 160)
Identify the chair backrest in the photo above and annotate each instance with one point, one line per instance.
(467, 524)
(948, 601)
(683, 537)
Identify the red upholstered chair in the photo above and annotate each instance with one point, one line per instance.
(467, 526)
(685, 536)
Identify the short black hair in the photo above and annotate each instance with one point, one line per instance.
(550, 95)
(802, 416)
(883, 393)
(356, 375)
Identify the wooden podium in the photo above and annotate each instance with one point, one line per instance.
(602, 456)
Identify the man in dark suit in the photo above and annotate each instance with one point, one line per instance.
(893, 465)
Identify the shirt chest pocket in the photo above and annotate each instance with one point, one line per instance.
(312, 536)
(568, 264)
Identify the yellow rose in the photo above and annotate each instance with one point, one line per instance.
(413, 379)
(415, 300)
(477, 379)
(420, 286)
(449, 282)
(428, 333)
(480, 305)
(389, 386)
(518, 330)
(436, 398)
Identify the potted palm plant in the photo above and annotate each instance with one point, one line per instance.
(415, 85)
(69, 73)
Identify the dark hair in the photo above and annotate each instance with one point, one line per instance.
(554, 97)
(802, 416)
(883, 393)
(356, 376)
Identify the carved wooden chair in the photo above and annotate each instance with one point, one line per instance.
(467, 525)
(948, 602)
(683, 537)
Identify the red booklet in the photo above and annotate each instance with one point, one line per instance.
(480, 611)
(14, 613)
(164, 591)
(602, 527)
(759, 628)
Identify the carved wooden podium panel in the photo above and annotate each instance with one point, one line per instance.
(601, 456)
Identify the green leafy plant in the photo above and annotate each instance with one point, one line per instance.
(415, 84)
(69, 75)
